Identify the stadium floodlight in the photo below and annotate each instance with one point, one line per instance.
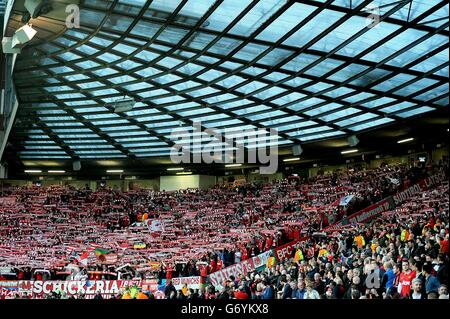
(7, 46)
(57, 172)
(23, 35)
(114, 171)
(297, 150)
(124, 105)
(33, 171)
(291, 159)
(233, 165)
(353, 141)
(175, 169)
(406, 140)
(349, 151)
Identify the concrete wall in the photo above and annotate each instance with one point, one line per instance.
(207, 181)
(173, 183)
(269, 178)
(314, 171)
(151, 184)
(440, 153)
(390, 160)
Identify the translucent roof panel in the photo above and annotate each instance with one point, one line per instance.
(305, 68)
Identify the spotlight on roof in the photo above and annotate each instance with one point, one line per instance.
(291, 159)
(57, 172)
(349, 152)
(37, 8)
(124, 105)
(297, 150)
(7, 46)
(405, 140)
(23, 35)
(353, 141)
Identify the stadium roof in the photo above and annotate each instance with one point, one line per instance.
(312, 70)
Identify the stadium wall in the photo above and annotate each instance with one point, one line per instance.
(173, 183)
(207, 181)
(152, 184)
(439, 154)
(330, 169)
(390, 160)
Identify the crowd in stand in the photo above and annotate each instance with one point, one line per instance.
(395, 256)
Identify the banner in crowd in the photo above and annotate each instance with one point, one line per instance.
(242, 268)
(388, 203)
(191, 282)
(8, 289)
(372, 211)
(107, 288)
(288, 250)
(423, 185)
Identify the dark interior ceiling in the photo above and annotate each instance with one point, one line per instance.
(315, 71)
(429, 132)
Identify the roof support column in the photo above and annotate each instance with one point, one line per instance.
(9, 102)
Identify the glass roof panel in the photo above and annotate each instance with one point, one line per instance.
(370, 124)
(336, 115)
(73, 79)
(419, 110)
(313, 28)
(356, 119)
(257, 16)
(287, 21)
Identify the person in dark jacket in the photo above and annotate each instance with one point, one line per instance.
(287, 291)
(299, 292)
(169, 289)
(442, 272)
(268, 292)
(432, 284)
(98, 295)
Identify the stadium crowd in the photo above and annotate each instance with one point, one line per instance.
(402, 254)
